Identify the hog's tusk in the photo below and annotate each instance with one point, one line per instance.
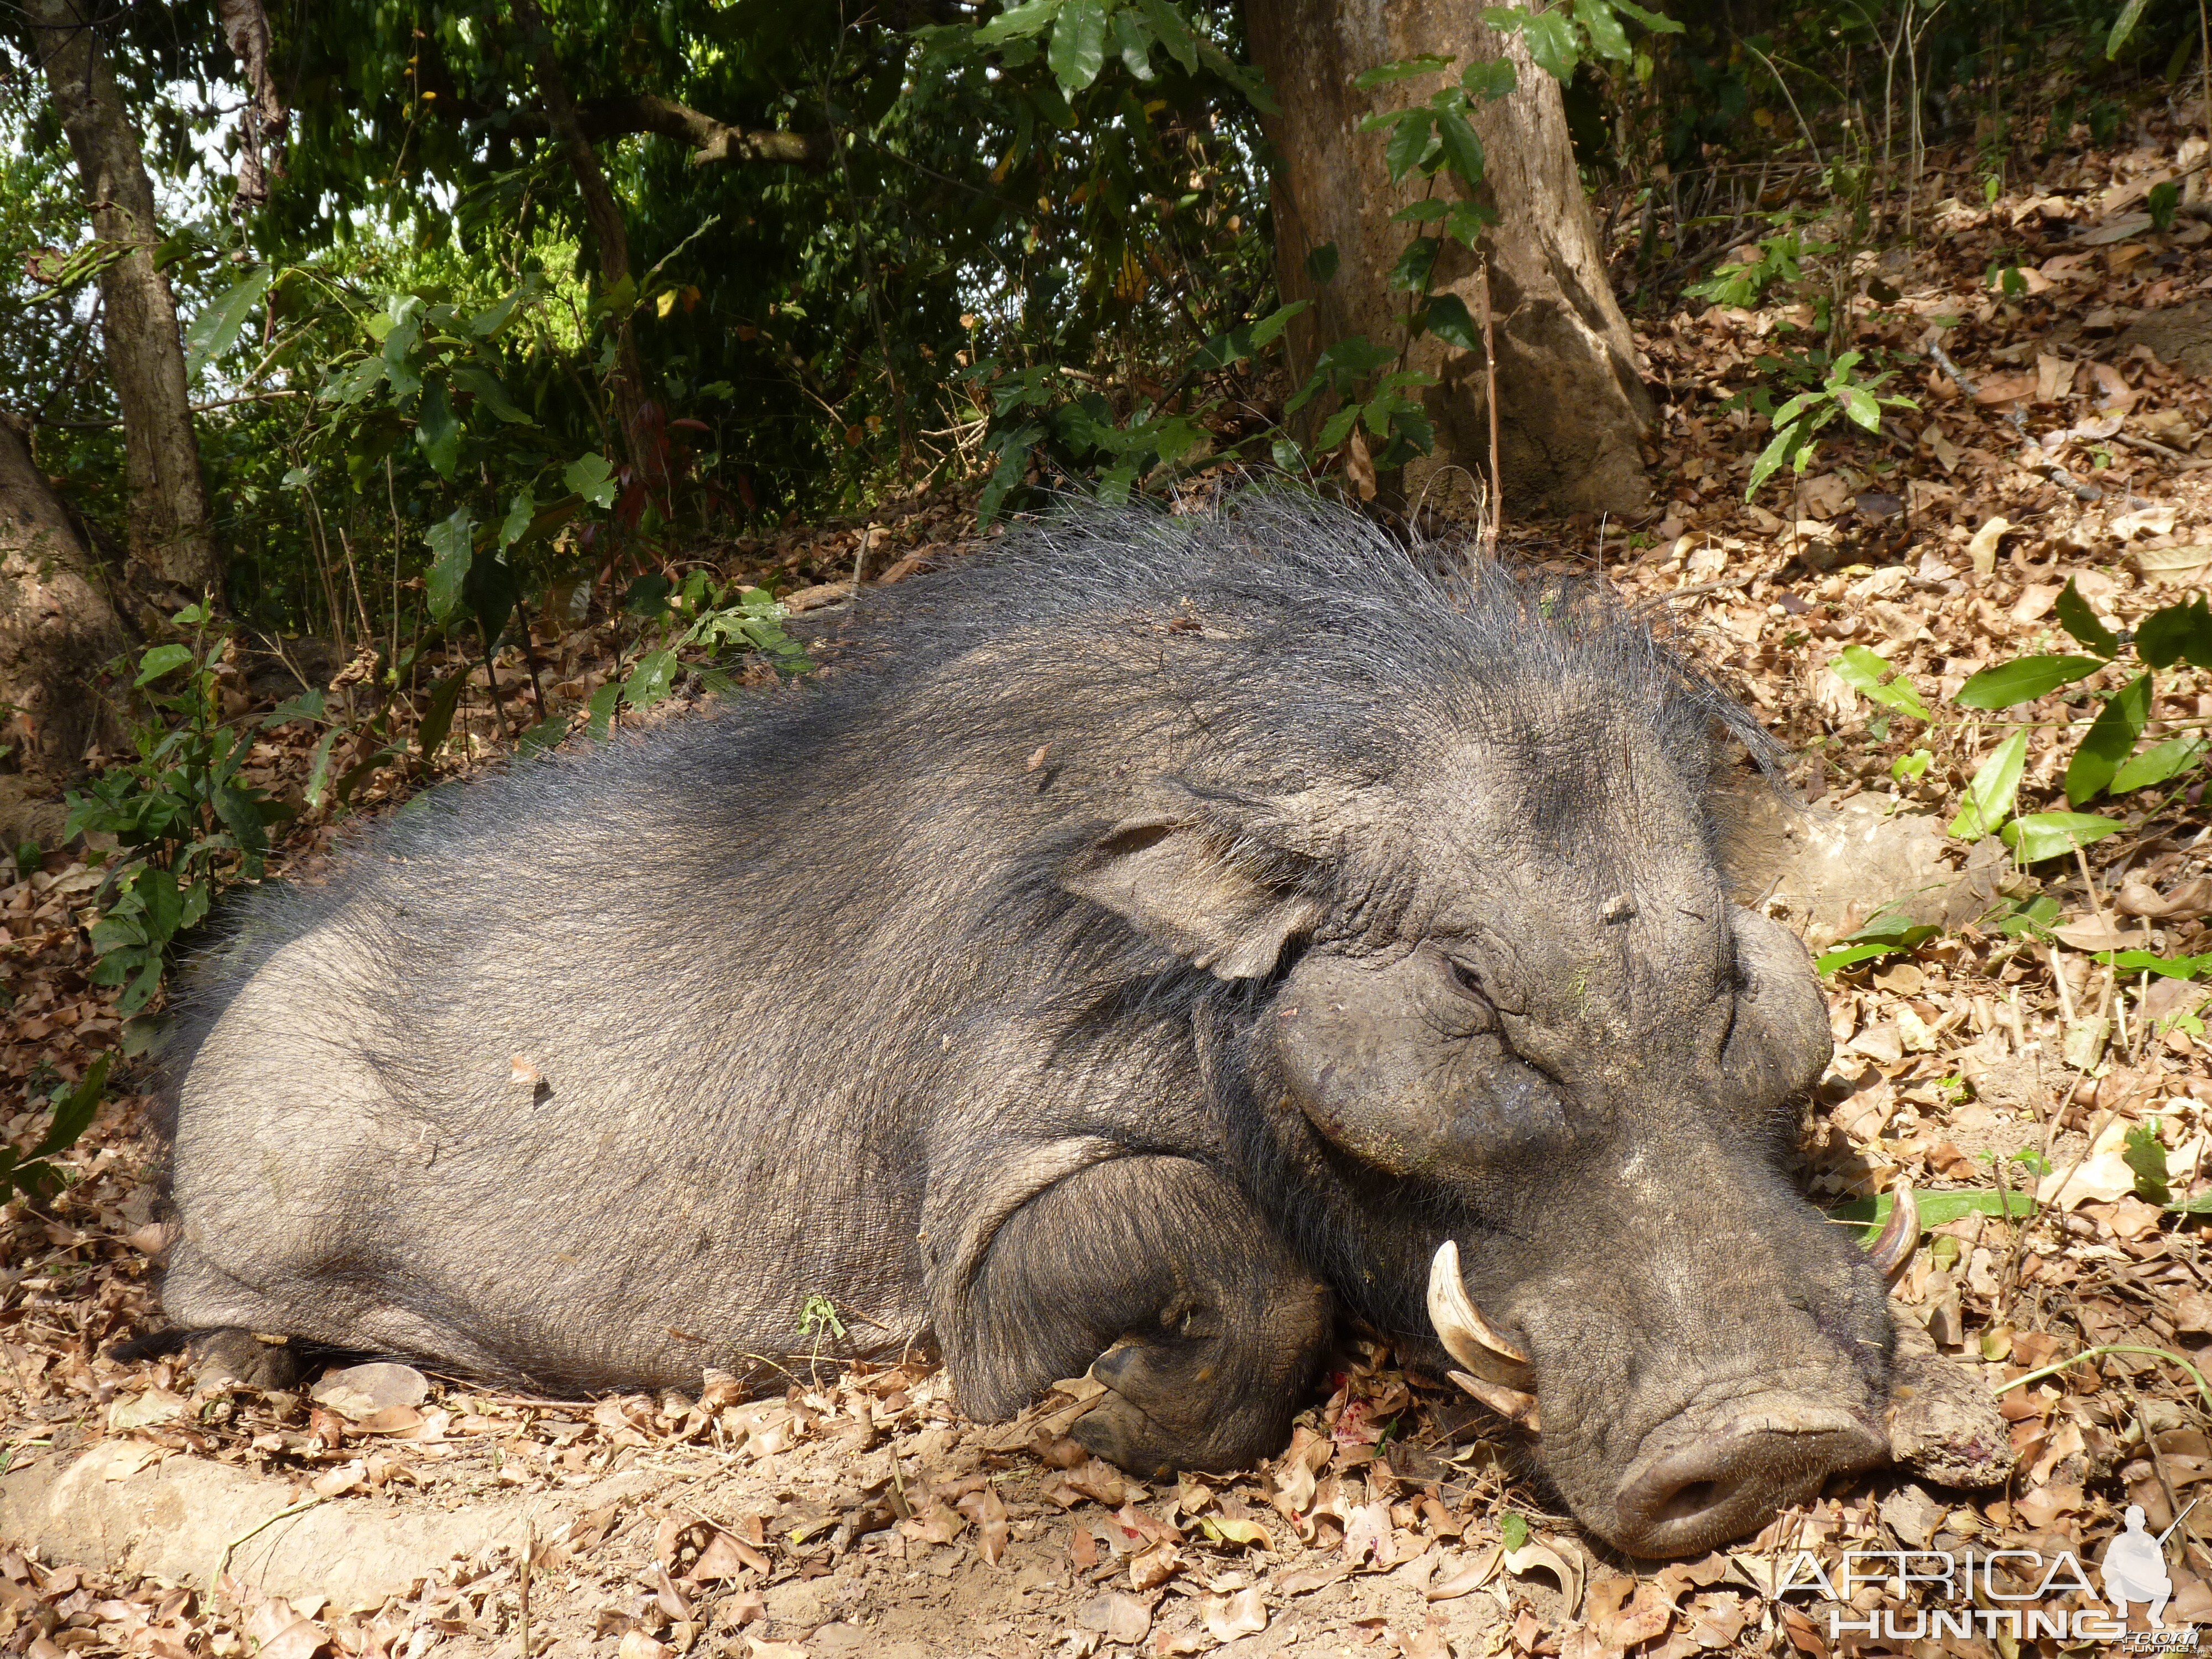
(1466, 1335)
(1506, 1402)
(1900, 1235)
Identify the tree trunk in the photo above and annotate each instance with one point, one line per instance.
(171, 534)
(1571, 405)
(605, 216)
(56, 626)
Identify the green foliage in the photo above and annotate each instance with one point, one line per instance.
(183, 819)
(70, 1109)
(2144, 1153)
(2107, 760)
(1872, 674)
(818, 1315)
(1744, 282)
(1885, 935)
(724, 621)
(1936, 1208)
(1798, 421)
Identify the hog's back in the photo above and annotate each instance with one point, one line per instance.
(587, 1076)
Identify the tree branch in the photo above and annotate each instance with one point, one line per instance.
(710, 141)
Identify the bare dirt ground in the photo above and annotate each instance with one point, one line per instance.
(850, 1511)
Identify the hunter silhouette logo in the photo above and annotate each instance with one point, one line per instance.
(2133, 1569)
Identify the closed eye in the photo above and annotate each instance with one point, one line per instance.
(1468, 980)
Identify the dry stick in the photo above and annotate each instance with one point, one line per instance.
(529, 1554)
(2203, 1389)
(1791, 96)
(359, 604)
(529, 658)
(1492, 516)
(491, 683)
(2051, 469)
(2204, 51)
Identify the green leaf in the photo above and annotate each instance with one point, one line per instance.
(1411, 274)
(1405, 69)
(1788, 434)
(2165, 637)
(1018, 23)
(2145, 962)
(2037, 835)
(1132, 41)
(1426, 212)
(217, 328)
(1513, 1528)
(1338, 427)
(487, 389)
(1448, 321)
(438, 719)
(1173, 32)
(592, 477)
(1491, 81)
(406, 313)
(2123, 27)
(1265, 331)
(2108, 740)
(1657, 22)
(2155, 765)
(438, 430)
(161, 659)
(1608, 39)
(308, 706)
(1989, 797)
(1865, 672)
(318, 771)
(1078, 51)
(1936, 1209)
(520, 513)
(601, 707)
(1553, 41)
(73, 1110)
(1467, 220)
(2078, 620)
(453, 542)
(650, 681)
(1860, 407)
(1321, 265)
(352, 384)
(2023, 680)
(2145, 1154)
(1462, 149)
(1409, 143)
(544, 736)
(1849, 955)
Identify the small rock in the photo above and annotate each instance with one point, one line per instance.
(361, 1391)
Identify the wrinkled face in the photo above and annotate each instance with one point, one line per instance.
(1571, 1056)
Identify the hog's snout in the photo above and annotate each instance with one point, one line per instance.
(1701, 1482)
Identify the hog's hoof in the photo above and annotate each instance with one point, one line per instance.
(1119, 1431)
(1943, 1425)
(233, 1354)
(1163, 1410)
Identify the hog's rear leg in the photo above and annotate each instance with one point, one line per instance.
(1204, 1327)
(232, 1354)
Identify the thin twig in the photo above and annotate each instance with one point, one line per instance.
(223, 1561)
(1494, 515)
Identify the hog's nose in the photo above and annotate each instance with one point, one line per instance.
(1705, 1482)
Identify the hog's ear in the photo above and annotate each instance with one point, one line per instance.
(1181, 882)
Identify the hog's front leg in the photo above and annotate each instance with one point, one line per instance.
(1204, 1329)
